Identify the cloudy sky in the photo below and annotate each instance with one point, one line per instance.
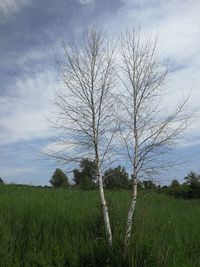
(30, 49)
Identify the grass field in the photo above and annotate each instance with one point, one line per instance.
(47, 227)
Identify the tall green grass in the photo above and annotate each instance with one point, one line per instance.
(47, 227)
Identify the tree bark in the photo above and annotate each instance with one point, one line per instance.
(130, 216)
(105, 212)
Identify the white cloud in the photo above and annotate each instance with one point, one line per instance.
(24, 113)
(58, 146)
(178, 23)
(11, 6)
(25, 109)
(7, 171)
(189, 143)
(84, 2)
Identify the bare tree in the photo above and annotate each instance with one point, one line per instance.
(85, 107)
(147, 130)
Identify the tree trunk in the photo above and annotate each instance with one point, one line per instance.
(105, 211)
(130, 216)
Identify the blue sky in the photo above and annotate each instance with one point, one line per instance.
(30, 47)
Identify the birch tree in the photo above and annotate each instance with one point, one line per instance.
(85, 108)
(147, 130)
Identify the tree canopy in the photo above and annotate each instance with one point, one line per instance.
(85, 176)
(175, 183)
(59, 179)
(116, 178)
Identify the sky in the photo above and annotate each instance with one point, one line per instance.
(31, 33)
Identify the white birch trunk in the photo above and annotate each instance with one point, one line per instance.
(105, 211)
(130, 215)
(135, 171)
(148, 132)
(102, 199)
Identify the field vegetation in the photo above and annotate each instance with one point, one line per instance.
(64, 227)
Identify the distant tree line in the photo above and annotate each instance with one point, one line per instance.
(85, 178)
(189, 189)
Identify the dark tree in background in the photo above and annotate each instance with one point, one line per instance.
(149, 185)
(116, 178)
(59, 179)
(189, 189)
(1, 181)
(144, 184)
(177, 190)
(193, 180)
(85, 176)
(175, 184)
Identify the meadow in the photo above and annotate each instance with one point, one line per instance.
(49, 227)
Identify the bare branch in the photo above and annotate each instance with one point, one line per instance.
(147, 132)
